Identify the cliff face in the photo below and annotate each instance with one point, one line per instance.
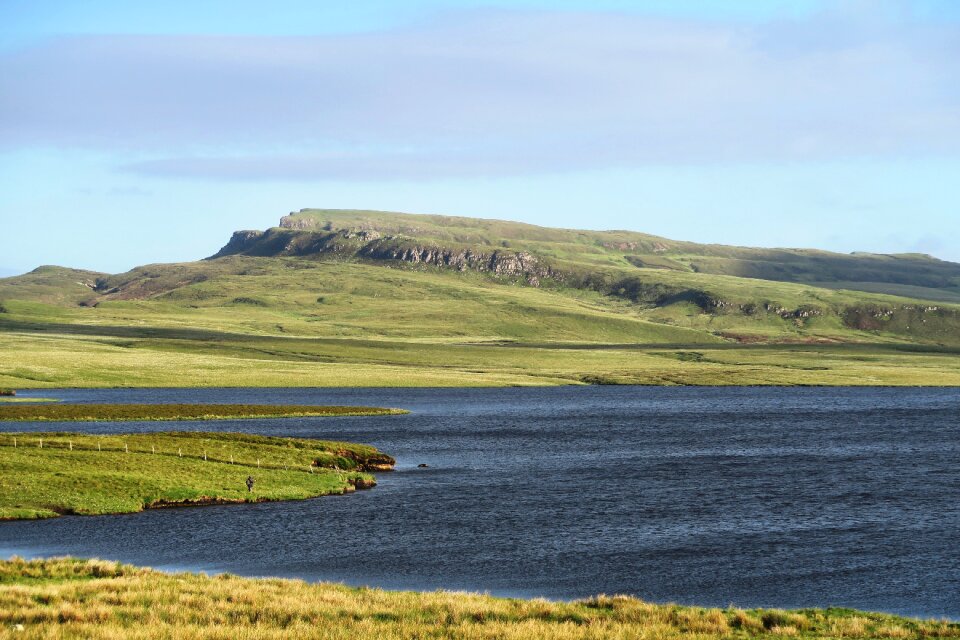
(298, 223)
(501, 263)
(306, 238)
(239, 242)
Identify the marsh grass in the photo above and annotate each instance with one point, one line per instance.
(48, 474)
(103, 600)
(155, 412)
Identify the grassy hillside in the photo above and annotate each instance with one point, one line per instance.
(624, 248)
(369, 298)
(97, 599)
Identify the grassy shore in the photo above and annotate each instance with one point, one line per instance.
(159, 412)
(43, 475)
(105, 600)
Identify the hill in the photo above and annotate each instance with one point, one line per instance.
(523, 249)
(364, 297)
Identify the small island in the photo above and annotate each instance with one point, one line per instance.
(157, 412)
(45, 475)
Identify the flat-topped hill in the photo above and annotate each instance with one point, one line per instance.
(385, 235)
(349, 297)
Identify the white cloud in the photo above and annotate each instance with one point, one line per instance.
(493, 94)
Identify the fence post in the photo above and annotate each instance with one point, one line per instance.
(153, 449)
(180, 452)
(70, 443)
(126, 447)
(41, 443)
(98, 446)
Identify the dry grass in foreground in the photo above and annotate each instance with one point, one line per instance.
(70, 598)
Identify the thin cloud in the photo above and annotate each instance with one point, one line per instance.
(492, 94)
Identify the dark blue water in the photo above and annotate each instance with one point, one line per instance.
(757, 497)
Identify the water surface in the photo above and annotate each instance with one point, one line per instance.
(753, 496)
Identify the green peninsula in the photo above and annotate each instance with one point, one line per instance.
(49, 474)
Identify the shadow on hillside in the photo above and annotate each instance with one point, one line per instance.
(208, 335)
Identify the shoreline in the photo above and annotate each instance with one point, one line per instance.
(178, 412)
(139, 596)
(558, 385)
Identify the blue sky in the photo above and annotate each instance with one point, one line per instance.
(133, 133)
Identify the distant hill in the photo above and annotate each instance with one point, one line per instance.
(467, 242)
(411, 293)
(681, 291)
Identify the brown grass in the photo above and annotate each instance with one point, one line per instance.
(67, 598)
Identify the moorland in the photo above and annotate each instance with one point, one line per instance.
(366, 298)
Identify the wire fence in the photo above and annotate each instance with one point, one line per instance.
(179, 450)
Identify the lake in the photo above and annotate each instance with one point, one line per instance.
(772, 497)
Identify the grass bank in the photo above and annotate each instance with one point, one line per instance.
(156, 412)
(105, 600)
(44, 475)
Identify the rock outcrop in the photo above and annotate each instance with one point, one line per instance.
(239, 242)
(300, 224)
(500, 263)
(308, 237)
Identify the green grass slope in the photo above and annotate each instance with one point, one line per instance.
(372, 298)
(128, 473)
(622, 248)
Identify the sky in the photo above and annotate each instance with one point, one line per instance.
(135, 133)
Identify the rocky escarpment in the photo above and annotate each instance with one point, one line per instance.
(308, 238)
(240, 241)
(300, 224)
(500, 263)
(932, 320)
(400, 242)
(659, 294)
(299, 237)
